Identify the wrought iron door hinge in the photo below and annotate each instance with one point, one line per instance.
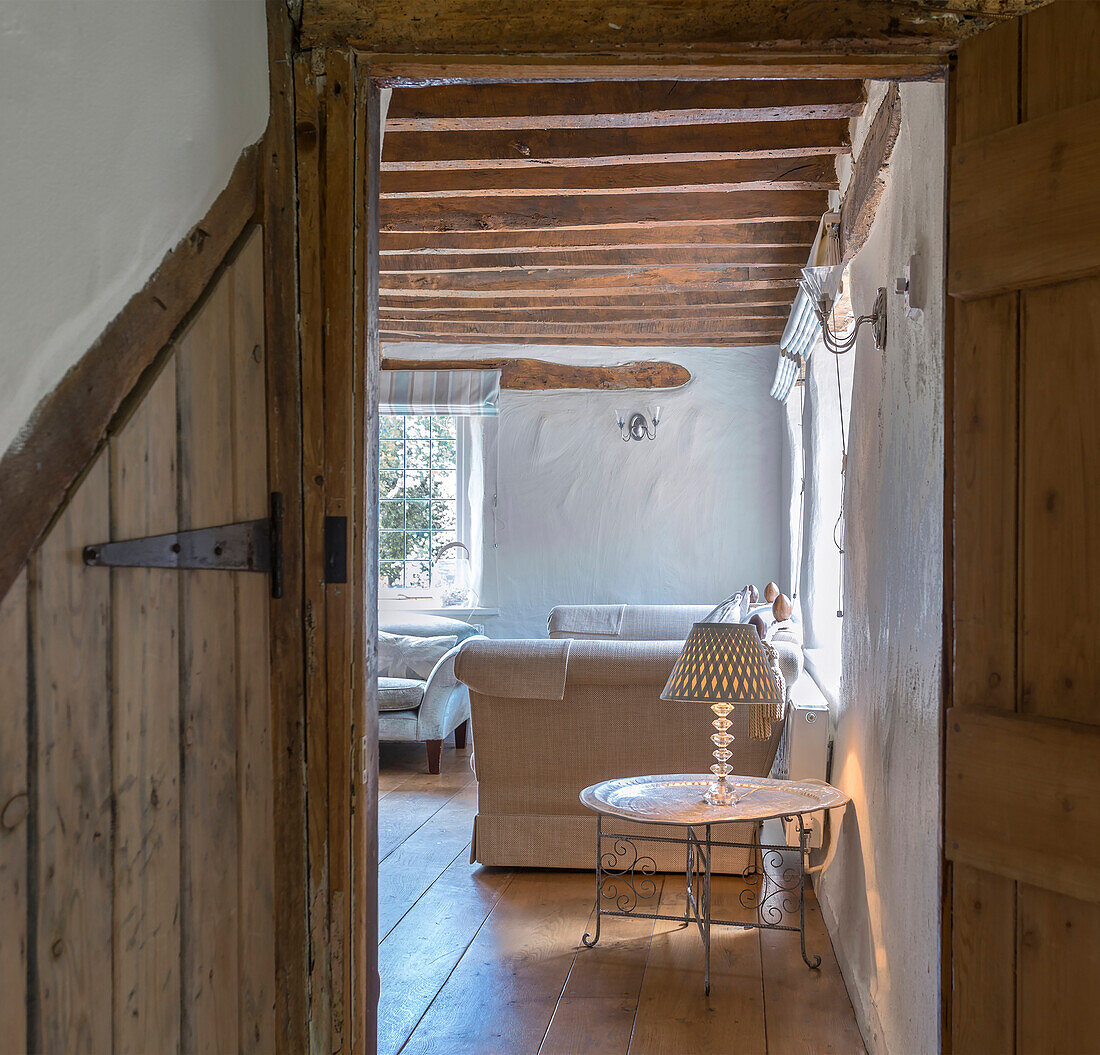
(336, 549)
(251, 545)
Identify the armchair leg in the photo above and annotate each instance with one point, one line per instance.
(460, 734)
(434, 748)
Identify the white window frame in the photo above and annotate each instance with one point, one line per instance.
(403, 598)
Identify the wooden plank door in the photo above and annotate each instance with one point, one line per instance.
(1022, 769)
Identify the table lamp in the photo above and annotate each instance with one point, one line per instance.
(724, 665)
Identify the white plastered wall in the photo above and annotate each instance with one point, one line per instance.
(120, 123)
(881, 896)
(583, 517)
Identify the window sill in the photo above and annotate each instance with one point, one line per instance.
(416, 609)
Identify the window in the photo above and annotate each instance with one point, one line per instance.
(421, 508)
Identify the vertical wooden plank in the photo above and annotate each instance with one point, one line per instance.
(14, 808)
(1062, 57)
(365, 714)
(986, 435)
(255, 813)
(985, 420)
(280, 221)
(208, 722)
(1059, 959)
(339, 366)
(145, 735)
(74, 938)
(984, 907)
(310, 136)
(1061, 504)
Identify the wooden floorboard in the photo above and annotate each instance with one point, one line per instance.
(490, 962)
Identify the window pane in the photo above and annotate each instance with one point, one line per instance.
(418, 544)
(390, 426)
(443, 516)
(444, 485)
(389, 484)
(391, 515)
(417, 574)
(417, 453)
(441, 539)
(391, 545)
(443, 425)
(389, 454)
(417, 427)
(417, 484)
(416, 516)
(443, 453)
(390, 573)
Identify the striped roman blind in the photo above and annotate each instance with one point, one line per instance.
(461, 392)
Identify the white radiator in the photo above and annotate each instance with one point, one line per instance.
(804, 753)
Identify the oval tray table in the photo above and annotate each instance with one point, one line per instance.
(623, 874)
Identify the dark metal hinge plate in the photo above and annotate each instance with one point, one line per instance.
(251, 545)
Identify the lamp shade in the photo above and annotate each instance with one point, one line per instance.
(722, 663)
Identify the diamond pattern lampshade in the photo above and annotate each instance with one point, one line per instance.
(722, 663)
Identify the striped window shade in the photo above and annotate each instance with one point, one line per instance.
(796, 345)
(459, 392)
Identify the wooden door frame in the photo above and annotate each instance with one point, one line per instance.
(317, 941)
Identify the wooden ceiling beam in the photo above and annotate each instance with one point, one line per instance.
(619, 104)
(800, 232)
(586, 299)
(654, 325)
(579, 314)
(555, 211)
(615, 27)
(627, 340)
(415, 151)
(535, 375)
(749, 256)
(537, 281)
(801, 173)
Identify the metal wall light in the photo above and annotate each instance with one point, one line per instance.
(821, 284)
(633, 425)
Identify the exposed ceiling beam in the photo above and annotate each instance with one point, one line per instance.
(578, 314)
(510, 27)
(801, 173)
(619, 104)
(413, 151)
(673, 327)
(538, 281)
(799, 232)
(534, 375)
(752, 256)
(627, 297)
(868, 179)
(627, 340)
(604, 210)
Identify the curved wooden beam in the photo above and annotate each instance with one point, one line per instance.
(538, 375)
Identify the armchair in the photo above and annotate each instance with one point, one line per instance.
(428, 710)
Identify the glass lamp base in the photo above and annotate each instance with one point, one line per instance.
(721, 793)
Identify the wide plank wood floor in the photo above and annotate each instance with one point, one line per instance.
(488, 961)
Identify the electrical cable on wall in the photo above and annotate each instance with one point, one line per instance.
(839, 542)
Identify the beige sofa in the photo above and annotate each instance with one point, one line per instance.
(552, 716)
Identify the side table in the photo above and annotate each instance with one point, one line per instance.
(623, 874)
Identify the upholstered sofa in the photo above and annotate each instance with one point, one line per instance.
(428, 709)
(552, 716)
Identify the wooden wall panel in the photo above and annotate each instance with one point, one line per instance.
(74, 860)
(208, 706)
(255, 797)
(14, 805)
(145, 733)
(1061, 503)
(1057, 73)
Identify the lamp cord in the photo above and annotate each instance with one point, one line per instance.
(843, 469)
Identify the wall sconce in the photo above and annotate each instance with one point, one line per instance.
(820, 284)
(634, 426)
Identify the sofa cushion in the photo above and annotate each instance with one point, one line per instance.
(401, 656)
(399, 694)
(408, 624)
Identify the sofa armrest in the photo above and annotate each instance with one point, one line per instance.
(625, 622)
(439, 690)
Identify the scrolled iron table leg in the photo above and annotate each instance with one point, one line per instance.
(706, 920)
(589, 940)
(803, 850)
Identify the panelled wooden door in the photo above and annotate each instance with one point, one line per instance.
(136, 803)
(1022, 775)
